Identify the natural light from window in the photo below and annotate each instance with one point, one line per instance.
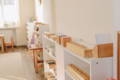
(39, 11)
(9, 13)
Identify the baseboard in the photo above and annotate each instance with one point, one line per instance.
(23, 46)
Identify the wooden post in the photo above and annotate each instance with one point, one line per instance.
(118, 58)
(2, 45)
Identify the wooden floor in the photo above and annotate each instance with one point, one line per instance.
(24, 50)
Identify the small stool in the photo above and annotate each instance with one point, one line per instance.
(9, 44)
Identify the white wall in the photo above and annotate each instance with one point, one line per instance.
(49, 14)
(27, 10)
(84, 18)
(39, 11)
(116, 13)
(116, 23)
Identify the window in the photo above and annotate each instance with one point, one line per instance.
(39, 10)
(9, 13)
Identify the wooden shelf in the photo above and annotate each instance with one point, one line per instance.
(49, 39)
(87, 60)
(64, 57)
(49, 76)
(49, 70)
(51, 56)
(91, 66)
(48, 53)
(69, 75)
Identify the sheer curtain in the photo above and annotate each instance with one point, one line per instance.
(9, 12)
(39, 10)
(1, 18)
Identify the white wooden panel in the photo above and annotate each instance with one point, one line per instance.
(60, 62)
(96, 68)
(70, 59)
(101, 69)
(31, 30)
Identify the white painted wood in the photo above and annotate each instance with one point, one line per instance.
(96, 68)
(101, 69)
(31, 30)
(60, 62)
(48, 43)
(87, 60)
(116, 29)
(49, 55)
(68, 76)
(78, 61)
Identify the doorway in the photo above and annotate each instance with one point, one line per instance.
(118, 59)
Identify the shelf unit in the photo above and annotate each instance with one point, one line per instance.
(96, 68)
(48, 54)
(31, 30)
(69, 76)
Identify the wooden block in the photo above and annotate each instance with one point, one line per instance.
(77, 73)
(79, 49)
(103, 50)
(49, 76)
(52, 66)
(65, 40)
(59, 38)
(49, 34)
(54, 37)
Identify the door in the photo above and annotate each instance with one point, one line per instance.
(118, 56)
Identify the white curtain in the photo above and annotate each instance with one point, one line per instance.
(9, 12)
(1, 18)
(39, 10)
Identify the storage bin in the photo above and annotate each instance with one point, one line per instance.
(65, 40)
(103, 50)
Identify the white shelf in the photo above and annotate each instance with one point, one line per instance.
(49, 50)
(48, 53)
(69, 75)
(96, 68)
(49, 39)
(49, 70)
(87, 60)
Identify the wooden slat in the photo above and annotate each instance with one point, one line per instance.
(80, 50)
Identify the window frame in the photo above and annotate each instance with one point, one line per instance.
(3, 18)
